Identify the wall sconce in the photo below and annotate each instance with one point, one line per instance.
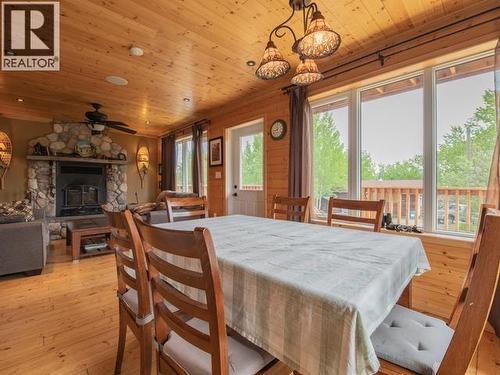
(5, 156)
(142, 163)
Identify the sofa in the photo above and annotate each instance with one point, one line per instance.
(23, 247)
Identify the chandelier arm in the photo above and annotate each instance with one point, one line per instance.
(311, 8)
(283, 25)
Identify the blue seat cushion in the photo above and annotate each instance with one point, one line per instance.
(412, 340)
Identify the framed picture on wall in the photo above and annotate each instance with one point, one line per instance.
(216, 150)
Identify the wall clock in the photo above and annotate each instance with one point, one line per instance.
(278, 129)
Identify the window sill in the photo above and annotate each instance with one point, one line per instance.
(428, 237)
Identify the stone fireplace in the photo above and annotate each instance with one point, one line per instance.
(67, 186)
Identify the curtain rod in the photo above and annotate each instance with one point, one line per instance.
(199, 122)
(379, 56)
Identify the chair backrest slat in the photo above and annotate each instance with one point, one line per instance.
(291, 208)
(375, 207)
(479, 296)
(188, 333)
(180, 300)
(195, 207)
(181, 275)
(198, 251)
(121, 242)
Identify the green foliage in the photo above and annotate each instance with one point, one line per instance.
(463, 158)
(329, 155)
(252, 161)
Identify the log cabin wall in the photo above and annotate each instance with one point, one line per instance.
(270, 108)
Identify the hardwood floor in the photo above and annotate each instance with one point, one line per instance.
(65, 321)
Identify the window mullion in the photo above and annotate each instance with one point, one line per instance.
(354, 161)
(429, 187)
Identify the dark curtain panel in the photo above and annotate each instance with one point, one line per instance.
(168, 163)
(197, 164)
(299, 167)
(493, 195)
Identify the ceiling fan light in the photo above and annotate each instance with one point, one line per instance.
(273, 65)
(307, 72)
(320, 40)
(98, 127)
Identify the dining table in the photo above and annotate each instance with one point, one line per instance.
(311, 295)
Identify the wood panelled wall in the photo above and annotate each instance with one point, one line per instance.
(269, 108)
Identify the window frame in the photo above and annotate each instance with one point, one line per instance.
(429, 109)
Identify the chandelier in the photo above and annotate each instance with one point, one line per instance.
(319, 41)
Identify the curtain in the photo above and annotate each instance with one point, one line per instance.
(168, 163)
(300, 158)
(197, 164)
(493, 193)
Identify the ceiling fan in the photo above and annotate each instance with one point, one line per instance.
(98, 121)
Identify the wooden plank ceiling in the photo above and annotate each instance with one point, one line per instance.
(193, 49)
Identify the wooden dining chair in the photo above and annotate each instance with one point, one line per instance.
(187, 208)
(135, 307)
(199, 345)
(291, 208)
(409, 342)
(374, 207)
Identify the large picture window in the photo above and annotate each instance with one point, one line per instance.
(370, 145)
(392, 147)
(466, 131)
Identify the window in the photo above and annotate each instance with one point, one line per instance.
(369, 142)
(251, 162)
(392, 147)
(466, 130)
(184, 166)
(330, 153)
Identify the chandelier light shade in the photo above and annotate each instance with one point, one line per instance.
(320, 40)
(273, 65)
(307, 72)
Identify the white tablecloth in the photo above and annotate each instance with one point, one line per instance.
(310, 295)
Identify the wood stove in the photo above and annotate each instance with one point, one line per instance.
(80, 188)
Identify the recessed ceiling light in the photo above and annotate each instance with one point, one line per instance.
(20, 100)
(251, 63)
(115, 80)
(136, 51)
(187, 100)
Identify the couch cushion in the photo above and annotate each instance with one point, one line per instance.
(244, 357)
(17, 208)
(412, 340)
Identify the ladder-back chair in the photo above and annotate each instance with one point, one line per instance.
(409, 342)
(187, 208)
(135, 308)
(291, 208)
(374, 207)
(199, 345)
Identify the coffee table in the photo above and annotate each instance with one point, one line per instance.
(83, 229)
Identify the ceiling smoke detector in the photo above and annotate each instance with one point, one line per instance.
(118, 81)
(135, 51)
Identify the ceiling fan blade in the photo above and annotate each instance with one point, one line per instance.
(119, 123)
(120, 128)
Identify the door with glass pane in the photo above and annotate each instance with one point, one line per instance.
(246, 174)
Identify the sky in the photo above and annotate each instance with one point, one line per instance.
(392, 127)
